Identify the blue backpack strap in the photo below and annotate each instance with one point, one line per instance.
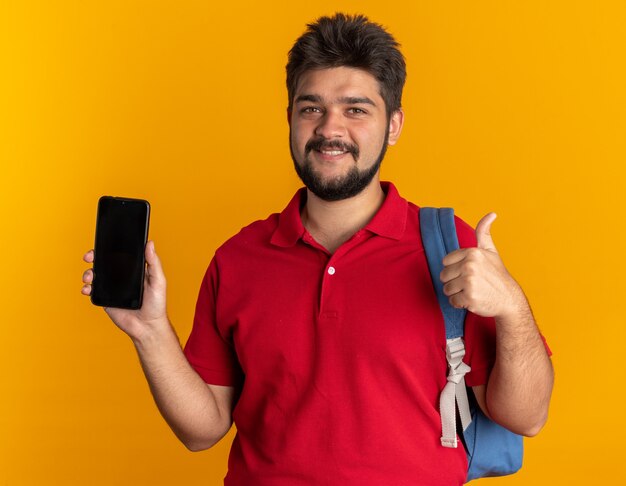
(439, 238)
(491, 449)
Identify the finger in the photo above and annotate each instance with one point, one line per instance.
(454, 257)
(154, 270)
(458, 301)
(88, 276)
(86, 290)
(451, 272)
(483, 232)
(88, 257)
(453, 287)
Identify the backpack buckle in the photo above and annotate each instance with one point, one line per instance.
(455, 351)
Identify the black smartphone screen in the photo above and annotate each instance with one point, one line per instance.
(119, 252)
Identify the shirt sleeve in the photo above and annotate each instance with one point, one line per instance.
(209, 350)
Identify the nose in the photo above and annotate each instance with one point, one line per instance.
(331, 125)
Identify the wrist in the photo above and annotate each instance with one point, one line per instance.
(516, 306)
(153, 333)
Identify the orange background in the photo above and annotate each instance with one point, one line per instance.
(517, 107)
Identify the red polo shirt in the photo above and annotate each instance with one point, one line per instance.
(340, 358)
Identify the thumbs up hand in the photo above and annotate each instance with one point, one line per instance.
(477, 280)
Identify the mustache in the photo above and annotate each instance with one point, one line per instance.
(324, 144)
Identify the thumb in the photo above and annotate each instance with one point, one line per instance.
(154, 270)
(483, 232)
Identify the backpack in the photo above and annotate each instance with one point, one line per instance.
(491, 449)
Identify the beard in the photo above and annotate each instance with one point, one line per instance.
(340, 187)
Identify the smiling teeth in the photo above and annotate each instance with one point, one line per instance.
(333, 152)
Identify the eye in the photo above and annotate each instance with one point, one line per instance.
(357, 111)
(310, 109)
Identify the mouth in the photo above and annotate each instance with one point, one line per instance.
(332, 153)
(331, 150)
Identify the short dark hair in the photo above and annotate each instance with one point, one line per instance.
(352, 41)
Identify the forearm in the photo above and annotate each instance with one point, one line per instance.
(520, 384)
(183, 398)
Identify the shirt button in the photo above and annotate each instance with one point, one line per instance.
(331, 270)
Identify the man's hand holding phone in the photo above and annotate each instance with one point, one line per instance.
(199, 414)
(152, 315)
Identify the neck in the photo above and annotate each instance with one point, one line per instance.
(332, 223)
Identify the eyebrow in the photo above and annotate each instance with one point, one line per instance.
(347, 100)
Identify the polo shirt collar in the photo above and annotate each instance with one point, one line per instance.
(290, 228)
(389, 221)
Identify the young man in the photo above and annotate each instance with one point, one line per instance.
(317, 330)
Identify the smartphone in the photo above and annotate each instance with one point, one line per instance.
(119, 253)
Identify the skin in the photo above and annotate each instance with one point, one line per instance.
(324, 107)
(517, 394)
(199, 414)
(344, 105)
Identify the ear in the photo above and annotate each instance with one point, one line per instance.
(395, 126)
